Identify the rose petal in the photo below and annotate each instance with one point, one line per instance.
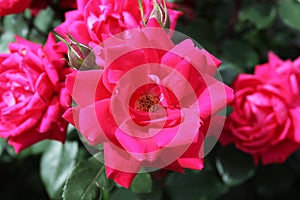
(28, 138)
(82, 85)
(279, 153)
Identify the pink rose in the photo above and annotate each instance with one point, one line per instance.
(152, 104)
(96, 20)
(33, 93)
(266, 111)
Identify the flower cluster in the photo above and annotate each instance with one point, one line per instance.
(265, 119)
(146, 96)
(33, 91)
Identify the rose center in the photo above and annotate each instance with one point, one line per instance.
(145, 102)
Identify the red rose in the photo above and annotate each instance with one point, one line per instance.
(13, 6)
(33, 94)
(152, 103)
(96, 20)
(266, 111)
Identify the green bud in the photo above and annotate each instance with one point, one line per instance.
(160, 13)
(80, 56)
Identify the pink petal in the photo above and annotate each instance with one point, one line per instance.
(31, 137)
(69, 116)
(191, 163)
(64, 98)
(226, 136)
(81, 36)
(280, 110)
(81, 4)
(174, 16)
(116, 168)
(122, 178)
(89, 126)
(51, 115)
(295, 113)
(175, 166)
(153, 23)
(33, 46)
(274, 60)
(82, 85)
(279, 153)
(216, 96)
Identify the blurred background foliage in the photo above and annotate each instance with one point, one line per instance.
(240, 33)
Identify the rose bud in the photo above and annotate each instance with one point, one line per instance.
(80, 56)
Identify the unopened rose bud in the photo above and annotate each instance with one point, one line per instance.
(160, 13)
(80, 56)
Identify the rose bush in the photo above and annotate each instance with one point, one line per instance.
(265, 119)
(151, 104)
(134, 101)
(33, 93)
(98, 19)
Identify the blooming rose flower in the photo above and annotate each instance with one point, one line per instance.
(266, 111)
(151, 104)
(96, 20)
(33, 93)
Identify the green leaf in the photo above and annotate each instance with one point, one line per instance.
(44, 19)
(37, 37)
(203, 185)
(3, 145)
(289, 11)
(35, 149)
(11, 151)
(16, 24)
(56, 164)
(123, 194)
(142, 183)
(5, 39)
(86, 181)
(239, 53)
(229, 72)
(12, 24)
(156, 194)
(235, 167)
(260, 14)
